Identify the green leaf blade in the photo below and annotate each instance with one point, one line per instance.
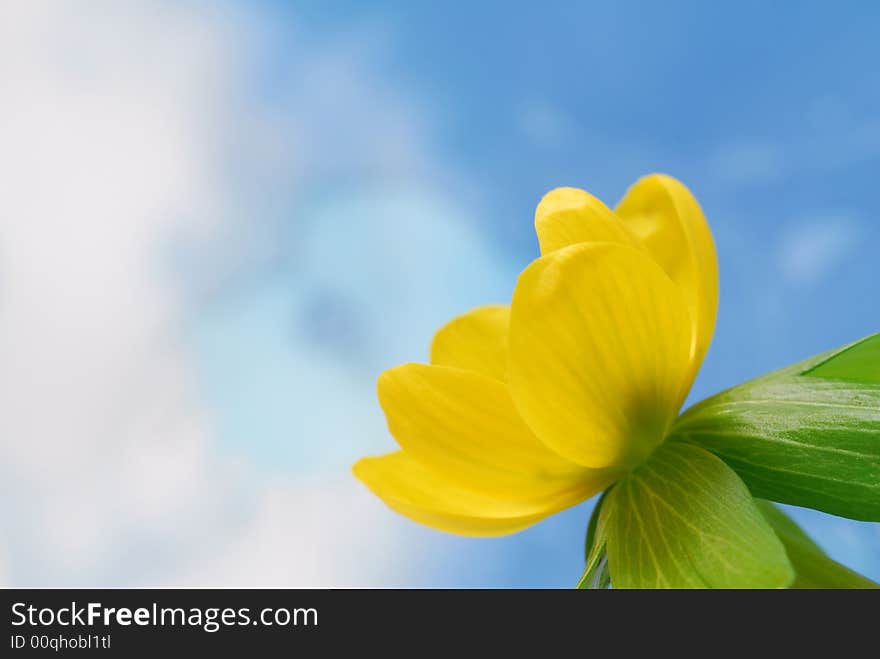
(685, 520)
(813, 567)
(859, 362)
(596, 575)
(800, 436)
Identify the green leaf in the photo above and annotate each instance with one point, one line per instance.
(860, 362)
(813, 567)
(685, 520)
(596, 575)
(807, 435)
(592, 526)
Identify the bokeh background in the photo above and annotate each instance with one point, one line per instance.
(219, 221)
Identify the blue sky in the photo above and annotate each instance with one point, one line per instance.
(308, 190)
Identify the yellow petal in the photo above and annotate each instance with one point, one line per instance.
(475, 341)
(599, 345)
(464, 426)
(567, 216)
(419, 493)
(668, 222)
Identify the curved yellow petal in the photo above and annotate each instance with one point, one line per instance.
(463, 426)
(567, 216)
(599, 346)
(475, 341)
(417, 492)
(667, 220)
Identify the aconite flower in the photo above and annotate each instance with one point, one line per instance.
(528, 409)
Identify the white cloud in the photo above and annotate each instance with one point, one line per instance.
(827, 137)
(126, 126)
(544, 124)
(816, 245)
(748, 162)
(317, 533)
(103, 157)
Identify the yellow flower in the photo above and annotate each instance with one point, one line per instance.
(531, 408)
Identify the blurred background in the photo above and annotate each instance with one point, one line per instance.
(219, 221)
